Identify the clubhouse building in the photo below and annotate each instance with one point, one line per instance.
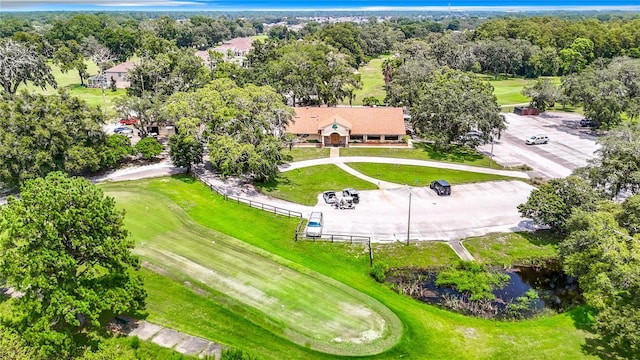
(346, 126)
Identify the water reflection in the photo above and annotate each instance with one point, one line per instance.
(556, 291)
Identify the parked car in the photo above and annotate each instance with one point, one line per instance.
(329, 197)
(314, 226)
(352, 193)
(123, 130)
(129, 121)
(537, 139)
(441, 187)
(588, 123)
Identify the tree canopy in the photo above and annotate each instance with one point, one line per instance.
(451, 103)
(44, 133)
(244, 125)
(20, 63)
(63, 244)
(552, 203)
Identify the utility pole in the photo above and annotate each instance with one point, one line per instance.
(409, 219)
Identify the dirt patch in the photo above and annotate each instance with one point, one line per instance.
(469, 333)
(195, 289)
(155, 268)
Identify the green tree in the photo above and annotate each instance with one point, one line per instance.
(543, 93)
(552, 203)
(149, 147)
(577, 56)
(64, 246)
(116, 148)
(12, 346)
(629, 217)
(69, 57)
(186, 147)
(19, 64)
(450, 103)
(44, 133)
(616, 166)
(605, 259)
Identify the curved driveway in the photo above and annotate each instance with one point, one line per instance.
(383, 214)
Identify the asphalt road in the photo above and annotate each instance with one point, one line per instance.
(569, 147)
(471, 210)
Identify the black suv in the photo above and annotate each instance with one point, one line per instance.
(588, 123)
(441, 187)
(353, 193)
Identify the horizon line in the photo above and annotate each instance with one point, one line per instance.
(497, 8)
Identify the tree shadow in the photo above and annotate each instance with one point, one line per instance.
(542, 237)
(185, 178)
(272, 185)
(454, 153)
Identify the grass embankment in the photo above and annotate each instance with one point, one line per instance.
(305, 153)
(421, 175)
(424, 151)
(303, 185)
(372, 82)
(282, 297)
(429, 333)
(521, 248)
(425, 254)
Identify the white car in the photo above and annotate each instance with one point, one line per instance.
(314, 226)
(537, 139)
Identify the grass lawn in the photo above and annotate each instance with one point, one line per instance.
(303, 185)
(509, 91)
(513, 248)
(425, 254)
(306, 153)
(424, 151)
(282, 297)
(372, 82)
(421, 175)
(428, 332)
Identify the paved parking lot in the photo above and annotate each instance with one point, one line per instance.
(569, 147)
(472, 209)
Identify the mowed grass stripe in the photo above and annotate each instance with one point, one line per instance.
(307, 308)
(421, 175)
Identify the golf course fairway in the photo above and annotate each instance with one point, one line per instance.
(291, 301)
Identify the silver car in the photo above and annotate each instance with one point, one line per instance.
(314, 226)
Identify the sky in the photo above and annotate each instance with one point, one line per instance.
(228, 5)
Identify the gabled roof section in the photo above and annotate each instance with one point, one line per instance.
(241, 44)
(122, 68)
(335, 119)
(361, 120)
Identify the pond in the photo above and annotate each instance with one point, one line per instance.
(554, 291)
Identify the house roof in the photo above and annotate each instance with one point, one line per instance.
(361, 120)
(203, 54)
(241, 44)
(124, 67)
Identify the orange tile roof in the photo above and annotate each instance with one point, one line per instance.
(361, 120)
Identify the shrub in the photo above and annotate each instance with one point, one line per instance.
(378, 271)
(149, 148)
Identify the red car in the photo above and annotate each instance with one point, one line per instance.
(129, 121)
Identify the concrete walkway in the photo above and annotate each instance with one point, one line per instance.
(460, 250)
(171, 339)
(384, 160)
